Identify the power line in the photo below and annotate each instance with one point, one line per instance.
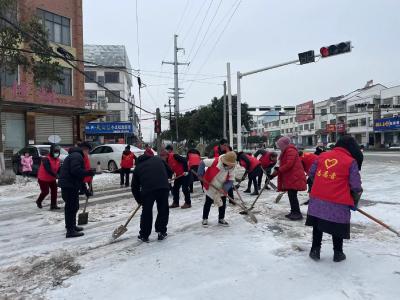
(194, 21)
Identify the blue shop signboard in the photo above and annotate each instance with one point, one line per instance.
(108, 127)
(387, 124)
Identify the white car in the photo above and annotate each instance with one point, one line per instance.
(109, 156)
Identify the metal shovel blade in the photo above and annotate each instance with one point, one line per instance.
(119, 231)
(279, 197)
(83, 218)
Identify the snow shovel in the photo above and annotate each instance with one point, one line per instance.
(279, 197)
(251, 215)
(378, 221)
(175, 178)
(274, 187)
(245, 212)
(84, 216)
(241, 180)
(122, 228)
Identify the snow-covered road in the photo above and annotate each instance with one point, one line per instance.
(268, 260)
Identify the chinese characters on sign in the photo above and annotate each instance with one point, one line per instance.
(387, 124)
(305, 111)
(108, 127)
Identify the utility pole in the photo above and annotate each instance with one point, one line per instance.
(176, 90)
(170, 117)
(239, 114)
(224, 114)
(228, 69)
(158, 130)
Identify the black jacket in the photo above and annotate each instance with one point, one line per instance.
(151, 173)
(73, 170)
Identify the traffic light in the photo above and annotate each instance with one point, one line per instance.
(157, 126)
(331, 50)
(306, 57)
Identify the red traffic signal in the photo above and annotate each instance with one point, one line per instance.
(331, 50)
(157, 126)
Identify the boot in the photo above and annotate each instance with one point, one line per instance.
(174, 205)
(162, 236)
(222, 222)
(294, 216)
(186, 205)
(205, 223)
(338, 256)
(55, 207)
(39, 204)
(247, 191)
(73, 233)
(143, 239)
(315, 253)
(78, 228)
(255, 193)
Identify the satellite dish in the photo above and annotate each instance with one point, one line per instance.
(55, 139)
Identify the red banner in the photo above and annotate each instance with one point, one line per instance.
(305, 111)
(332, 128)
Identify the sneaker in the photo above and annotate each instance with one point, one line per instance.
(186, 205)
(162, 236)
(174, 205)
(294, 216)
(222, 222)
(205, 222)
(247, 191)
(143, 239)
(78, 228)
(254, 193)
(338, 256)
(39, 204)
(73, 233)
(315, 253)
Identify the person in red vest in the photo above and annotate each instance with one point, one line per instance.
(268, 161)
(220, 174)
(194, 158)
(291, 176)
(127, 163)
(47, 177)
(336, 189)
(87, 187)
(222, 148)
(308, 159)
(179, 166)
(253, 169)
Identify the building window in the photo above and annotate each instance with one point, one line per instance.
(57, 27)
(301, 128)
(353, 123)
(8, 78)
(306, 126)
(363, 122)
(283, 131)
(90, 76)
(352, 108)
(111, 77)
(324, 111)
(332, 109)
(91, 95)
(332, 121)
(387, 101)
(323, 125)
(113, 96)
(291, 120)
(66, 87)
(113, 116)
(312, 126)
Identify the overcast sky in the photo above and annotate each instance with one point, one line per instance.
(260, 33)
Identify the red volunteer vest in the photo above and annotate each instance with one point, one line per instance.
(194, 160)
(210, 174)
(254, 162)
(331, 181)
(176, 166)
(86, 161)
(308, 159)
(127, 161)
(265, 160)
(216, 152)
(54, 164)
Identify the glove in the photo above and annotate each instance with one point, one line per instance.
(274, 174)
(139, 201)
(276, 168)
(185, 173)
(356, 197)
(91, 173)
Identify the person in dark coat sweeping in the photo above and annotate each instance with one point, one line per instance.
(71, 179)
(291, 176)
(268, 161)
(149, 185)
(253, 168)
(194, 158)
(336, 189)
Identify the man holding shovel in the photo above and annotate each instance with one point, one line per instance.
(149, 185)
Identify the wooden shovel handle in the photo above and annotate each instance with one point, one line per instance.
(132, 215)
(378, 221)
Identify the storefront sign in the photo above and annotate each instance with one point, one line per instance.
(305, 111)
(387, 124)
(108, 127)
(341, 127)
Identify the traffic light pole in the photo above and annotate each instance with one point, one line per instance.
(158, 118)
(239, 93)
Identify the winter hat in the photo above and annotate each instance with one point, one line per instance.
(283, 143)
(148, 152)
(128, 147)
(169, 148)
(54, 148)
(350, 144)
(229, 158)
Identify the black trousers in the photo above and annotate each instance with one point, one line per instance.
(207, 206)
(71, 199)
(160, 196)
(294, 202)
(268, 173)
(184, 183)
(124, 174)
(193, 177)
(317, 240)
(253, 177)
